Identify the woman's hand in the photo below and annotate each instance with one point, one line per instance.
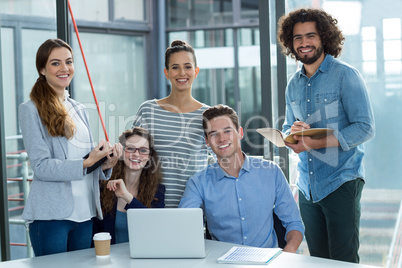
(117, 151)
(120, 190)
(100, 151)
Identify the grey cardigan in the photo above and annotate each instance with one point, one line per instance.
(50, 196)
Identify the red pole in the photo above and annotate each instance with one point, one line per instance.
(86, 67)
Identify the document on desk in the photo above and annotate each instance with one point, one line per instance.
(249, 255)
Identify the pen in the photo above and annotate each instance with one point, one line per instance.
(297, 119)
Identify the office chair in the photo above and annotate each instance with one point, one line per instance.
(280, 231)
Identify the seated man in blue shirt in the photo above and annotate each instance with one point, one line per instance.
(239, 193)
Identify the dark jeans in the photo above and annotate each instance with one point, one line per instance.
(332, 224)
(56, 236)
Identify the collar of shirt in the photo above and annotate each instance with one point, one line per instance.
(324, 67)
(220, 173)
(66, 95)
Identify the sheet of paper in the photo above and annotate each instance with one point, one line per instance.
(249, 255)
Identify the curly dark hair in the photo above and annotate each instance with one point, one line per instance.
(216, 111)
(151, 175)
(331, 36)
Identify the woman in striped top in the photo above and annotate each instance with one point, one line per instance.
(175, 122)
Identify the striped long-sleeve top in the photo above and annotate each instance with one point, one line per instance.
(179, 142)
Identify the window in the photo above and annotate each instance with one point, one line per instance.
(117, 68)
(222, 80)
(116, 55)
(90, 10)
(189, 13)
(40, 8)
(129, 10)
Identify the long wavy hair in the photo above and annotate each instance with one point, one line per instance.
(51, 110)
(151, 175)
(331, 36)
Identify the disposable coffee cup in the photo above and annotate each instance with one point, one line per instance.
(102, 244)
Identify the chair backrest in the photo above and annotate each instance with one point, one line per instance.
(280, 231)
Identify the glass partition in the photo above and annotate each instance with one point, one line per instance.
(117, 67)
(249, 10)
(90, 10)
(30, 42)
(190, 13)
(41, 8)
(222, 80)
(130, 10)
(24, 26)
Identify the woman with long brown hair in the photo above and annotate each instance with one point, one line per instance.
(64, 196)
(135, 183)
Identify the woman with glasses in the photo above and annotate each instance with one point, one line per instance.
(135, 183)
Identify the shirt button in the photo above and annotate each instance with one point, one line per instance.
(239, 199)
(309, 85)
(308, 100)
(237, 179)
(311, 173)
(325, 99)
(308, 114)
(310, 160)
(245, 237)
(242, 218)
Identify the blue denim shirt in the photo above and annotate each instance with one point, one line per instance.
(239, 210)
(334, 97)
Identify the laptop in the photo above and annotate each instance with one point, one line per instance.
(166, 233)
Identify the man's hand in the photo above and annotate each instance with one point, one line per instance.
(293, 241)
(298, 126)
(305, 143)
(301, 145)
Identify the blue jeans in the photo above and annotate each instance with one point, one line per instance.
(56, 236)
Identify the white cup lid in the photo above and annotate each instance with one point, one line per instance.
(102, 236)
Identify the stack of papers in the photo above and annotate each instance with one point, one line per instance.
(249, 255)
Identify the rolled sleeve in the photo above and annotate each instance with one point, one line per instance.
(191, 197)
(360, 118)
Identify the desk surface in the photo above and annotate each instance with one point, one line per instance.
(119, 257)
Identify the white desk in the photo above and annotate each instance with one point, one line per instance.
(119, 257)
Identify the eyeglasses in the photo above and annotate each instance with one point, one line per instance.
(141, 150)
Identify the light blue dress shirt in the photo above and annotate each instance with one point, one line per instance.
(239, 210)
(334, 97)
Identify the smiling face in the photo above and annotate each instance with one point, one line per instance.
(223, 138)
(136, 160)
(59, 70)
(307, 43)
(182, 70)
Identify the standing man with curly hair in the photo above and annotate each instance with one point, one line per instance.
(326, 93)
